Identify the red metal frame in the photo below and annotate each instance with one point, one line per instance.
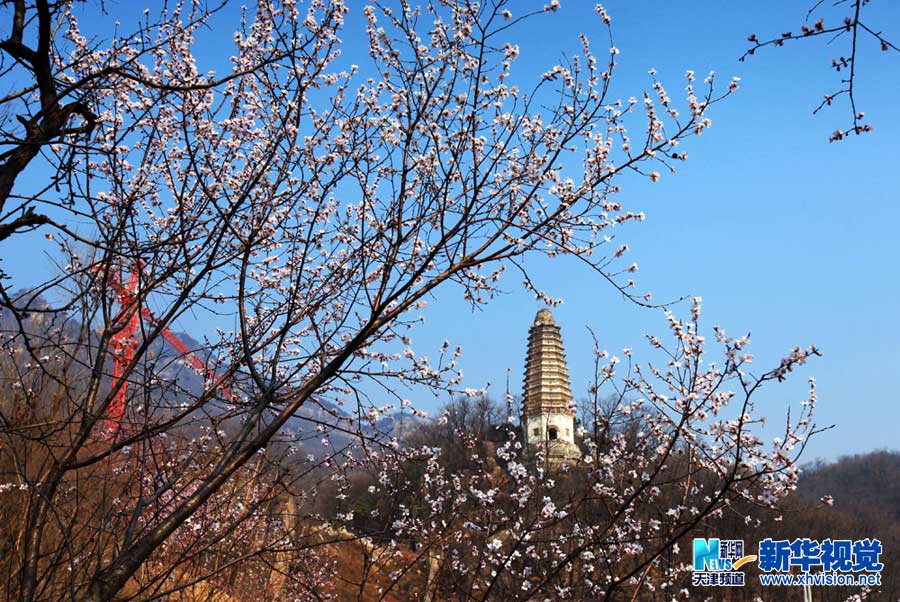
(124, 343)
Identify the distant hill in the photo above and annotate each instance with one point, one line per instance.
(861, 485)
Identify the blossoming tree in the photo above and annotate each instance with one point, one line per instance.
(308, 207)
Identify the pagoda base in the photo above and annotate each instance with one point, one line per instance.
(555, 453)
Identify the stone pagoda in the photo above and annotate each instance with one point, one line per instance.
(547, 413)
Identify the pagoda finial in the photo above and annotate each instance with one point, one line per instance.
(544, 316)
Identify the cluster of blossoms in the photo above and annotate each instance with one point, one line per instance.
(676, 445)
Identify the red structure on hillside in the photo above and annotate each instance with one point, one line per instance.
(124, 342)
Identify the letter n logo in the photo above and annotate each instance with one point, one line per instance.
(706, 553)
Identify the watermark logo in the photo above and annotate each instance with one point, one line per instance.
(805, 562)
(716, 561)
(801, 562)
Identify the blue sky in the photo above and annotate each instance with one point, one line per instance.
(783, 234)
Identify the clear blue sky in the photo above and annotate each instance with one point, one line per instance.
(783, 234)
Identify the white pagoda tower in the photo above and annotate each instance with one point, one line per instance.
(547, 413)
